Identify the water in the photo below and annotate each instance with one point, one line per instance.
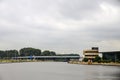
(57, 71)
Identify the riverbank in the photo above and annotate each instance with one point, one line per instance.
(21, 61)
(17, 61)
(70, 62)
(94, 63)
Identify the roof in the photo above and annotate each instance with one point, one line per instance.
(110, 52)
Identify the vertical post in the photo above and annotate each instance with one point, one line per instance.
(115, 57)
(0, 60)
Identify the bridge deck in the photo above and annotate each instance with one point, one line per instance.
(48, 57)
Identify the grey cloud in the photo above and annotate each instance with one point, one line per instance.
(82, 10)
(114, 2)
(78, 9)
(55, 24)
(104, 32)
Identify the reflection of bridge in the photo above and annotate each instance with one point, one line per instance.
(55, 58)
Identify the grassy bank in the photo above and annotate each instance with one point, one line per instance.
(15, 61)
(28, 60)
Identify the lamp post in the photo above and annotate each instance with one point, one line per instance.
(115, 57)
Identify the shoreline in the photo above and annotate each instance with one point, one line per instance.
(25, 61)
(70, 62)
(94, 63)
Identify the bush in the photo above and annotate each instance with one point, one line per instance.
(85, 60)
(106, 61)
(97, 59)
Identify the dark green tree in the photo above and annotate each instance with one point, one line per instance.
(8, 54)
(30, 52)
(52, 53)
(2, 54)
(48, 53)
(97, 59)
(68, 54)
(85, 60)
(11, 53)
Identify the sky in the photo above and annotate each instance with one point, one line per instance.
(63, 26)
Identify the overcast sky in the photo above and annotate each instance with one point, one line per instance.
(64, 26)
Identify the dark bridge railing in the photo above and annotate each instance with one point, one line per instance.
(64, 58)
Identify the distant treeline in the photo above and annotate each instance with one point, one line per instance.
(30, 52)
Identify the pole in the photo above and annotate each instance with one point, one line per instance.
(115, 57)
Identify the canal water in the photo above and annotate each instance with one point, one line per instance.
(57, 71)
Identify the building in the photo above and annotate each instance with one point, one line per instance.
(92, 53)
(111, 55)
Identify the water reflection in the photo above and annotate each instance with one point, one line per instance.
(57, 71)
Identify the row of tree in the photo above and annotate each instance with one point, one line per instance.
(30, 52)
(8, 53)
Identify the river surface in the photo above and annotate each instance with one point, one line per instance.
(57, 71)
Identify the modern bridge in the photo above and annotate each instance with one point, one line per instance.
(54, 58)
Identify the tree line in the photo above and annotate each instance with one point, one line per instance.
(7, 54)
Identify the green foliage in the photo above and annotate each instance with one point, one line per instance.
(85, 60)
(106, 61)
(52, 53)
(11, 53)
(48, 53)
(8, 54)
(30, 52)
(2, 54)
(97, 59)
(68, 55)
(118, 61)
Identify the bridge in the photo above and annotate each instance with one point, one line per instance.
(54, 58)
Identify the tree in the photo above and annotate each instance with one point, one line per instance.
(2, 54)
(52, 53)
(48, 53)
(30, 52)
(11, 53)
(85, 60)
(97, 59)
(8, 54)
(68, 55)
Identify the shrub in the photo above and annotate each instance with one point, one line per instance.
(85, 60)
